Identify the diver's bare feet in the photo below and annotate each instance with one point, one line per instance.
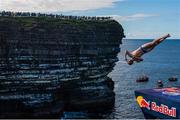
(168, 35)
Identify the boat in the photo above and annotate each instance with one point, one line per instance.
(142, 79)
(171, 79)
(159, 103)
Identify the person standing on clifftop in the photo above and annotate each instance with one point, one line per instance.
(136, 54)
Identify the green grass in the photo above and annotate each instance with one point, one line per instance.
(51, 22)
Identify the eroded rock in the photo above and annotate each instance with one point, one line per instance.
(54, 64)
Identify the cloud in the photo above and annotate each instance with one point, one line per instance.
(141, 34)
(55, 5)
(148, 34)
(138, 16)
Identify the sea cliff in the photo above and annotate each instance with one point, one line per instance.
(48, 65)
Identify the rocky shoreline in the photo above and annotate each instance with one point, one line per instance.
(49, 65)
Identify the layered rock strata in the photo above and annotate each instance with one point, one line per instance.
(48, 64)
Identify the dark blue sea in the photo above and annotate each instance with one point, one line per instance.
(160, 64)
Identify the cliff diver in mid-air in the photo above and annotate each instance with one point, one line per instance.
(136, 54)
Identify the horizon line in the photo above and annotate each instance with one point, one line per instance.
(148, 38)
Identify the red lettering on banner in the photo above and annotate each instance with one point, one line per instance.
(163, 109)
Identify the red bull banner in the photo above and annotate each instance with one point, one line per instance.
(163, 109)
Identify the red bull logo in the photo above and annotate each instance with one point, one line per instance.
(163, 109)
(143, 103)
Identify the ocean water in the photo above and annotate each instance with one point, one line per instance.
(160, 64)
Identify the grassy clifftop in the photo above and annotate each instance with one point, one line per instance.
(30, 21)
(87, 29)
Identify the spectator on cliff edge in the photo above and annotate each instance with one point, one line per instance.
(145, 48)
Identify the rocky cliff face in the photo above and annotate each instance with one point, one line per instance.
(48, 65)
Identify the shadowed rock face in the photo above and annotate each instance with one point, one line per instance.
(48, 65)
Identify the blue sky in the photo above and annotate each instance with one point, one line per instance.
(139, 18)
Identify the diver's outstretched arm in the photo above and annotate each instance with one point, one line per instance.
(129, 54)
(159, 40)
(138, 59)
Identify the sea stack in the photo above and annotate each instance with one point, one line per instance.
(50, 63)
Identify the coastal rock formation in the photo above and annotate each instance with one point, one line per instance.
(48, 65)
